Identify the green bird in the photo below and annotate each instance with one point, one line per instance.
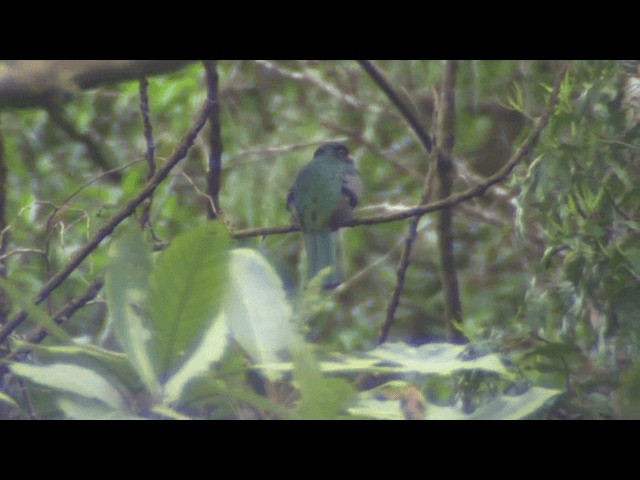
(322, 199)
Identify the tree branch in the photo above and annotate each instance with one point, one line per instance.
(444, 165)
(66, 312)
(151, 147)
(408, 115)
(215, 141)
(124, 212)
(36, 83)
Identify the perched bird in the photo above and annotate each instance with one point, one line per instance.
(321, 200)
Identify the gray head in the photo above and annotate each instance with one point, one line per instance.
(333, 149)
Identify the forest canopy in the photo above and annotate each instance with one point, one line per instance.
(150, 266)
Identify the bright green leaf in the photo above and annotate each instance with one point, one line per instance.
(71, 379)
(187, 286)
(256, 308)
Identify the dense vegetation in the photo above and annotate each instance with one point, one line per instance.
(148, 268)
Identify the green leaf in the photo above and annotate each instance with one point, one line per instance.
(210, 350)
(71, 379)
(7, 400)
(436, 358)
(82, 409)
(34, 312)
(126, 285)
(205, 390)
(187, 286)
(321, 397)
(256, 308)
(429, 359)
(505, 407)
(88, 356)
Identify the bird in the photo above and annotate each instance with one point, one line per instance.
(322, 199)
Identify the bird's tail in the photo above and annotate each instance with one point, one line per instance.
(321, 252)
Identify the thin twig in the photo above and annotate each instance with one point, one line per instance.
(20, 251)
(123, 213)
(408, 115)
(57, 208)
(151, 147)
(64, 313)
(320, 84)
(403, 265)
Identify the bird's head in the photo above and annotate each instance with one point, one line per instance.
(333, 150)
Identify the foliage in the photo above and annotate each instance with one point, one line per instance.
(193, 324)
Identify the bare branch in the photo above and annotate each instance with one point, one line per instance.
(215, 141)
(35, 83)
(151, 147)
(320, 84)
(408, 115)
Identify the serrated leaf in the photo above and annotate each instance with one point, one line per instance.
(71, 379)
(126, 285)
(256, 308)
(187, 286)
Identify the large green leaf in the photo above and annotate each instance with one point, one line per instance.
(429, 359)
(127, 284)
(210, 350)
(187, 286)
(257, 310)
(504, 407)
(88, 356)
(83, 409)
(71, 379)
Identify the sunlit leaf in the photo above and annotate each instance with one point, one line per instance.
(257, 310)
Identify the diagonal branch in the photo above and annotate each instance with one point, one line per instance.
(124, 212)
(408, 115)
